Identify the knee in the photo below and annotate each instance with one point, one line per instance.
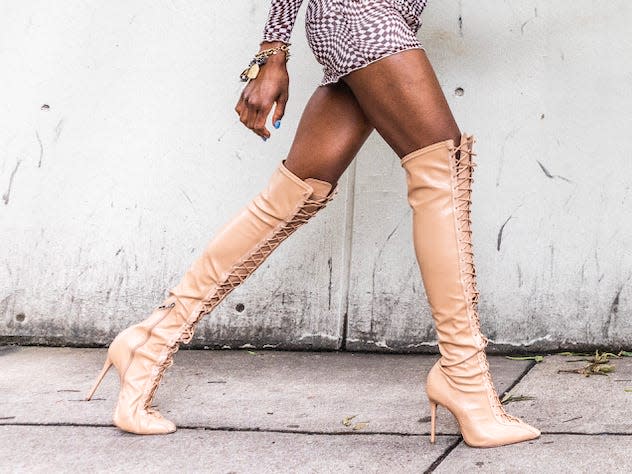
(451, 132)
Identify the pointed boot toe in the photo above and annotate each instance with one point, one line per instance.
(145, 422)
(164, 426)
(155, 425)
(522, 432)
(535, 433)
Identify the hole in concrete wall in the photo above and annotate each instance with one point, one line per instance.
(20, 317)
(459, 92)
(239, 307)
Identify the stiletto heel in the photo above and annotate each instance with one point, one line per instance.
(433, 420)
(104, 370)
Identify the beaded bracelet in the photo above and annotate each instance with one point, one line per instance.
(252, 71)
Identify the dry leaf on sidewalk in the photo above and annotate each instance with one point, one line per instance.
(597, 363)
(537, 358)
(508, 398)
(347, 420)
(360, 425)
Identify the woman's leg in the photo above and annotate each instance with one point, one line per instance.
(401, 96)
(331, 131)
(402, 99)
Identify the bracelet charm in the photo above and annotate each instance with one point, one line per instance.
(252, 71)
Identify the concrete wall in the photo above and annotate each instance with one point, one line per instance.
(120, 155)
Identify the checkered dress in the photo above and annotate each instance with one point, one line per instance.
(345, 35)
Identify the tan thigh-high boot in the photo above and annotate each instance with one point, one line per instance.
(142, 352)
(439, 180)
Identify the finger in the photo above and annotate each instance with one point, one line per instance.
(243, 115)
(279, 110)
(240, 103)
(238, 106)
(260, 124)
(252, 116)
(262, 117)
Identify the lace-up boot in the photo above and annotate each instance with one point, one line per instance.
(439, 181)
(142, 352)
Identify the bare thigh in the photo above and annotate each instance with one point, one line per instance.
(330, 133)
(402, 98)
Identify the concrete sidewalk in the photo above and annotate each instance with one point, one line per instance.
(240, 411)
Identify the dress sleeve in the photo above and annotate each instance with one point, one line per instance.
(281, 20)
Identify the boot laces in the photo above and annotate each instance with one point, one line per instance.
(463, 172)
(234, 278)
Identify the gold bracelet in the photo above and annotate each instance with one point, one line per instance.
(252, 71)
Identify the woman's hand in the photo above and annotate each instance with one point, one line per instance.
(260, 94)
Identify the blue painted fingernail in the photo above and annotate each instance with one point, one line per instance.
(277, 124)
(264, 138)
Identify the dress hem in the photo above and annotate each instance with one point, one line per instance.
(327, 80)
